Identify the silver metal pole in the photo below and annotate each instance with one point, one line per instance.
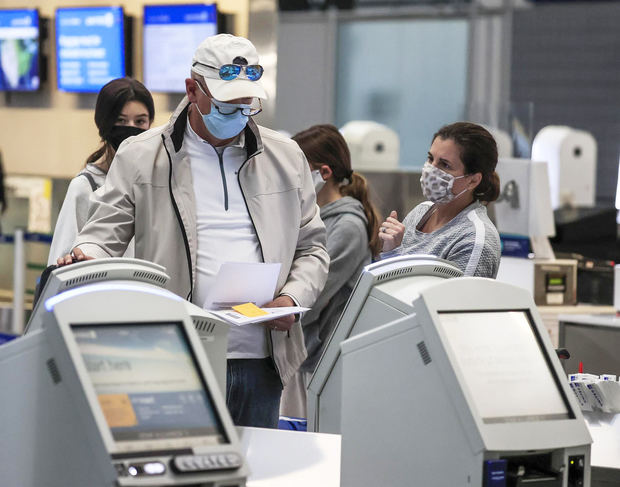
(19, 282)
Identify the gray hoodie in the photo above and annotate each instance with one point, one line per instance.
(347, 246)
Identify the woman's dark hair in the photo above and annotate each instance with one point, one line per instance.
(110, 102)
(324, 144)
(478, 153)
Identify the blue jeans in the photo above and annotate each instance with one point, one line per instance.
(253, 390)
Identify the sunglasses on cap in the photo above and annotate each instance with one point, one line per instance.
(229, 72)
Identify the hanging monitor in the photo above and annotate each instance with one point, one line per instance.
(19, 50)
(171, 35)
(91, 47)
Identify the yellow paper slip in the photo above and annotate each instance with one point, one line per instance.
(250, 310)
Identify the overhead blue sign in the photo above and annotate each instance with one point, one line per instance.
(171, 35)
(19, 50)
(90, 47)
(179, 14)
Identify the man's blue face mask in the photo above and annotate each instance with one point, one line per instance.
(224, 125)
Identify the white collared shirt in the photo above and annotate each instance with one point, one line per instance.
(224, 229)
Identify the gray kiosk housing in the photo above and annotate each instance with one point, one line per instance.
(213, 332)
(142, 408)
(384, 292)
(466, 391)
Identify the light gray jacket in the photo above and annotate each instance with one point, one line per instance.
(149, 192)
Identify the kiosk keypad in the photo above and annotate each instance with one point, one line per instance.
(200, 463)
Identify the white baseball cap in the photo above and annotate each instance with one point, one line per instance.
(218, 50)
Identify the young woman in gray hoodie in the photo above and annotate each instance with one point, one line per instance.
(352, 225)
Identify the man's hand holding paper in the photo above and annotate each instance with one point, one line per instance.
(283, 323)
(241, 282)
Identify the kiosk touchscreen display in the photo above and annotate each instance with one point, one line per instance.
(147, 382)
(504, 366)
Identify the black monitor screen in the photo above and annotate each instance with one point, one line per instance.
(19, 50)
(147, 382)
(504, 366)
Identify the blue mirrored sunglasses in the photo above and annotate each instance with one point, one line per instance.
(229, 72)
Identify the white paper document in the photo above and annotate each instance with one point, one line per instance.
(243, 282)
(235, 318)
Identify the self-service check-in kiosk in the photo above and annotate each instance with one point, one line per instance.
(113, 388)
(213, 332)
(384, 292)
(467, 391)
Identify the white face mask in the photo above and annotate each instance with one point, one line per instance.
(437, 184)
(318, 180)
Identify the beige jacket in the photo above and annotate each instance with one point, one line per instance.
(148, 192)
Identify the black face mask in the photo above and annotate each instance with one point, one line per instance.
(120, 133)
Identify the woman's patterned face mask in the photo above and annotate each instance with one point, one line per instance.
(437, 184)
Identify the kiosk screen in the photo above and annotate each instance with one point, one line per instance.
(504, 366)
(147, 382)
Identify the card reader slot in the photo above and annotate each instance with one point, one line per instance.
(532, 471)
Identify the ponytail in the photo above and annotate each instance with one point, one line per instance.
(324, 144)
(102, 157)
(489, 188)
(358, 189)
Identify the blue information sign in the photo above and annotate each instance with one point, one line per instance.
(179, 14)
(90, 47)
(171, 35)
(19, 50)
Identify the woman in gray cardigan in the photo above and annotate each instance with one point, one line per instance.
(458, 180)
(352, 225)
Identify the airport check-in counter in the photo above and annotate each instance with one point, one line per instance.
(384, 292)
(111, 387)
(467, 390)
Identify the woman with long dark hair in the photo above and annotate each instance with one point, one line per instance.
(458, 180)
(352, 224)
(124, 108)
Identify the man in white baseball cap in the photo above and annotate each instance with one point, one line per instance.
(225, 71)
(234, 56)
(212, 186)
